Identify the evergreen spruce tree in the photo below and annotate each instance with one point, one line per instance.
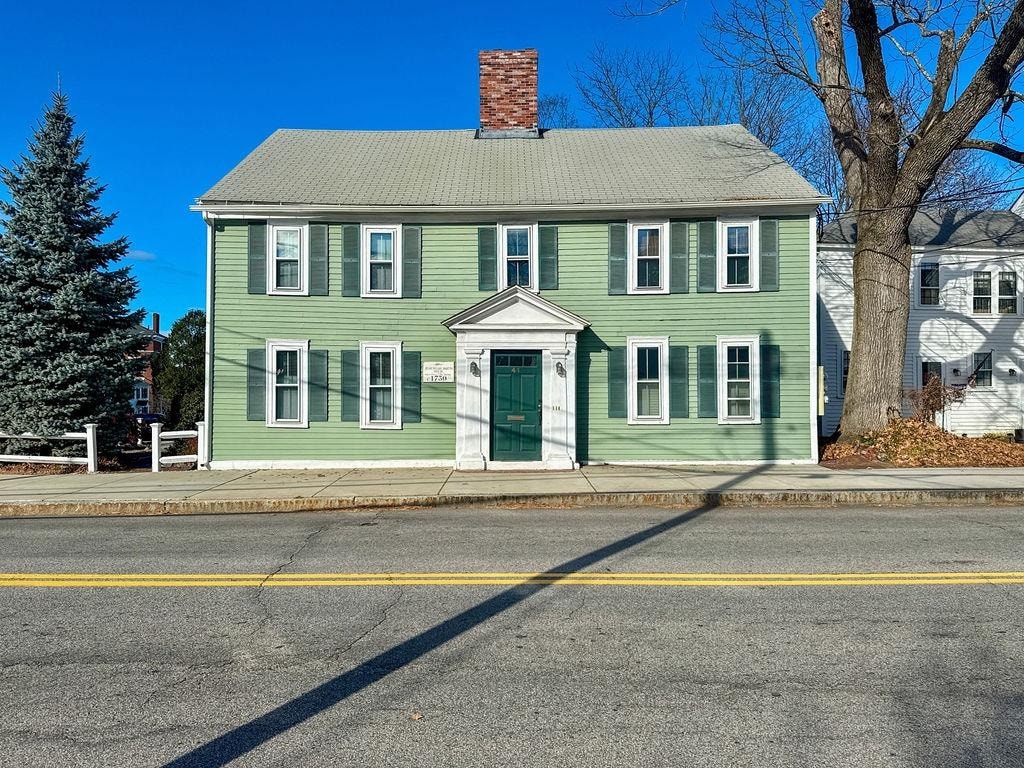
(69, 350)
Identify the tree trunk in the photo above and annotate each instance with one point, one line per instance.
(881, 311)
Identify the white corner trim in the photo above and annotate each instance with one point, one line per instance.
(205, 451)
(632, 256)
(813, 338)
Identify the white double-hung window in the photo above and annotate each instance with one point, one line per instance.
(288, 265)
(648, 258)
(739, 263)
(518, 255)
(647, 367)
(739, 380)
(287, 382)
(381, 267)
(380, 374)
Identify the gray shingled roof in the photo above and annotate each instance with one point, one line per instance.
(949, 228)
(630, 166)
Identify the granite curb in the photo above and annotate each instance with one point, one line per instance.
(737, 498)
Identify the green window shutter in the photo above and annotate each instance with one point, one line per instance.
(678, 381)
(487, 258)
(411, 405)
(707, 382)
(548, 256)
(317, 385)
(412, 272)
(350, 260)
(679, 256)
(769, 254)
(257, 257)
(318, 259)
(771, 380)
(256, 384)
(617, 383)
(350, 385)
(616, 259)
(707, 257)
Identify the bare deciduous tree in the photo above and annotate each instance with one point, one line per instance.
(904, 85)
(630, 89)
(554, 110)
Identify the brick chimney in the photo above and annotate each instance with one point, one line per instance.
(156, 322)
(508, 94)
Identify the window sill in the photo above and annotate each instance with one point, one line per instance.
(374, 426)
(738, 289)
(280, 292)
(280, 425)
(635, 422)
(738, 421)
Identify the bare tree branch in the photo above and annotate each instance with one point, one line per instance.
(996, 148)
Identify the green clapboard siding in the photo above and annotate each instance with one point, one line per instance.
(449, 255)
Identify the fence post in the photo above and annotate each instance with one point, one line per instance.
(92, 449)
(201, 446)
(154, 449)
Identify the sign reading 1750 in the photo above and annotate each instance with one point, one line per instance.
(438, 372)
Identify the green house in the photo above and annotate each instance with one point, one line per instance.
(511, 297)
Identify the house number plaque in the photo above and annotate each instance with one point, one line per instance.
(438, 372)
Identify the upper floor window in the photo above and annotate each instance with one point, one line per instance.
(287, 365)
(929, 291)
(518, 255)
(648, 380)
(738, 258)
(648, 258)
(739, 379)
(982, 293)
(288, 264)
(381, 269)
(1007, 293)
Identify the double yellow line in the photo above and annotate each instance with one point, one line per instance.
(194, 580)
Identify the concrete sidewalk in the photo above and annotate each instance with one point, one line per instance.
(143, 493)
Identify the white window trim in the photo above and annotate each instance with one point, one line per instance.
(302, 346)
(364, 261)
(754, 342)
(993, 293)
(365, 348)
(272, 227)
(755, 255)
(503, 254)
(919, 285)
(1016, 294)
(663, 266)
(633, 343)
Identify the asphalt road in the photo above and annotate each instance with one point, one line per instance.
(523, 672)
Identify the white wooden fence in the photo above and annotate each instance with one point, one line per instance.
(199, 433)
(90, 461)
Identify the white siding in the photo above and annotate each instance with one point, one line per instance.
(949, 334)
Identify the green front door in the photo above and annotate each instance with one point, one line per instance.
(515, 406)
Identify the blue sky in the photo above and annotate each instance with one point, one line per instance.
(171, 95)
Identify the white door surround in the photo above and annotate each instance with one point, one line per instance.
(515, 319)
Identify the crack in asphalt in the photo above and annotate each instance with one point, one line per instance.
(1003, 528)
(383, 617)
(257, 595)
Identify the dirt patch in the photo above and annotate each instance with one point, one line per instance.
(911, 443)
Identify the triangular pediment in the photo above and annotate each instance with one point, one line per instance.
(516, 309)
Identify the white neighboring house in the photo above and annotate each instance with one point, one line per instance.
(965, 317)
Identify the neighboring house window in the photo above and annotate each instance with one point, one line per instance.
(929, 294)
(380, 375)
(982, 293)
(983, 369)
(930, 370)
(381, 267)
(648, 380)
(1007, 293)
(518, 255)
(846, 368)
(739, 379)
(738, 258)
(287, 371)
(289, 259)
(141, 398)
(648, 258)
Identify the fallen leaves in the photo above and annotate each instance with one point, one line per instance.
(912, 443)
